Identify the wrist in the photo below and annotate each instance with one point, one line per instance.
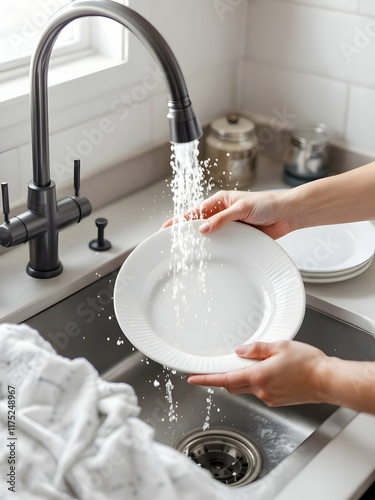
(291, 202)
(323, 375)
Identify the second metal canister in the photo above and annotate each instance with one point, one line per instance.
(231, 146)
(307, 155)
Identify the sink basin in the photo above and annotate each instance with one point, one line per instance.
(284, 439)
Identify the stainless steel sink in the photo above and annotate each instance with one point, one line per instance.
(287, 438)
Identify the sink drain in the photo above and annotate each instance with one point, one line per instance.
(230, 457)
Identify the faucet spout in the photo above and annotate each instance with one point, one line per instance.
(184, 125)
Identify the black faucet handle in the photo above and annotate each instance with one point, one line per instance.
(5, 196)
(77, 176)
(100, 244)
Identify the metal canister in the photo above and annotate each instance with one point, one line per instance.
(307, 155)
(231, 146)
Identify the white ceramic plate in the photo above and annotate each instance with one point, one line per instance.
(341, 271)
(336, 279)
(334, 274)
(337, 274)
(332, 248)
(253, 292)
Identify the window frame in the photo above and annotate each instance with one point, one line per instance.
(19, 63)
(69, 79)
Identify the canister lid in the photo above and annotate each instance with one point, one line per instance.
(315, 135)
(233, 127)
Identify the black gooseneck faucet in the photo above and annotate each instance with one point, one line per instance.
(45, 216)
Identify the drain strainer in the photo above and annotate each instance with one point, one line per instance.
(230, 456)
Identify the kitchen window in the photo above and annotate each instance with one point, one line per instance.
(23, 21)
(95, 62)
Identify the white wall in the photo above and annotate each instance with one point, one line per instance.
(208, 45)
(316, 59)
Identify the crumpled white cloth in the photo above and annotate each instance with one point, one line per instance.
(78, 436)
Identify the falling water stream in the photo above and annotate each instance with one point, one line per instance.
(187, 187)
(188, 256)
(188, 250)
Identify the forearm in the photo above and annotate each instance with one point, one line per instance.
(348, 383)
(347, 197)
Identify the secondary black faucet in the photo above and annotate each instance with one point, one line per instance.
(45, 216)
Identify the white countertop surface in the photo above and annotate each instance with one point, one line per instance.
(346, 465)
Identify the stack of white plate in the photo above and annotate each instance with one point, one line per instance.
(327, 254)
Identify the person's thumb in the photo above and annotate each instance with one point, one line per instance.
(222, 218)
(258, 350)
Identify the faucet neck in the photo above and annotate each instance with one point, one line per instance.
(155, 43)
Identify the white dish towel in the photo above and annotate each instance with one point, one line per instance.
(79, 436)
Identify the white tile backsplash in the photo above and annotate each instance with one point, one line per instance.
(317, 56)
(111, 136)
(301, 98)
(341, 5)
(99, 143)
(201, 38)
(367, 7)
(9, 172)
(361, 119)
(213, 92)
(15, 135)
(312, 40)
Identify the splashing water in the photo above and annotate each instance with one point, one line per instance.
(188, 250)
(172, 414)
(209, 398)
(188, 177)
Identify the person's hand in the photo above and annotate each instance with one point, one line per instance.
(270, 212)
(289, 373)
